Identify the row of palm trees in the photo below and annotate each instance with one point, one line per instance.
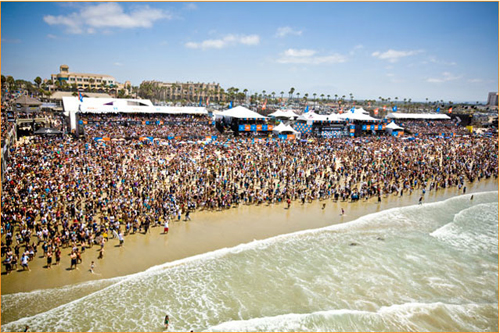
(188, 94)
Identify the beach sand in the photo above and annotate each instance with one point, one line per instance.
(209, 231)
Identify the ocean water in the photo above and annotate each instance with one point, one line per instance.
(430, 267)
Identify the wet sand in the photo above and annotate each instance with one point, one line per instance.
(209, 231)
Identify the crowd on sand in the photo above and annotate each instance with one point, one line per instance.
(64, 195)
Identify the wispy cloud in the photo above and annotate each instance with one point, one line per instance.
(228, 40)
(11, 41)
(476, 80)
(394, 55)
(119, 64)
(434, 60)
(105, 16)
(191, 6)
(50, 36)
(306, 56)
(355, 49)
(284, 31)
(445, 77)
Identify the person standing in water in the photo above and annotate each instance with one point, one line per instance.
(166, 321)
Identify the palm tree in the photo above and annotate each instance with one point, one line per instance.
(290, 93)
(322, 97)
(336, 96)
(245, 91)
(38, 81)
(298, 94)
(328, 98)
(314, 97)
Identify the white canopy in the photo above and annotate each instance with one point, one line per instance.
(357, 115)
(284, 128)
(181, 110)
(289, 128)
(399, 115)
(283, 114)
(106, 105)
(122, 105)
(393, 126)
(280, 128)
(312, 116)
(240, 112)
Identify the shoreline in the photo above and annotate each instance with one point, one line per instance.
(209, 231)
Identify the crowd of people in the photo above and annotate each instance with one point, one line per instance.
(68, 193)
(437, 127)
(157, 125)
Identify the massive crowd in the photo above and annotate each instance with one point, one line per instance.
(77, 193)
(158, 126)
(437, 127)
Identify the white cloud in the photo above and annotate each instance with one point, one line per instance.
(355, 49)
(299, 53)
(11, 41)
(393, 55)
(445, 77)
(118, 64)
(306, 56)
(441, 62)
(51, 36)
(107, 15)
(476, 80)
(191, 6)
(227, 40)
(284, 31)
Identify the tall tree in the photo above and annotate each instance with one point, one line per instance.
(38, 81)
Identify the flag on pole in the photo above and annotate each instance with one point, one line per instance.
(231, 104)
(307, 109)
(352, 109)
(200, 102)
(437, 110)
(264, 105)
(80, 96)
(384, 107)
(395, 108)
(450, 109)
(375, 111)
(208, 100)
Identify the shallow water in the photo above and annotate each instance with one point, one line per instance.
(432, 267)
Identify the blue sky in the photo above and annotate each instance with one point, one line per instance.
(441, 51)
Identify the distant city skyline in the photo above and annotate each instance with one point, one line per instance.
(436, 50)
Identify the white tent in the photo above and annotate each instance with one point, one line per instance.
(290, 129)
(288, 114)
(280, 128)
(357, 116)
(393, 126)
(180, 110)
(240, 112)
(312, 116)
(399, 115)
